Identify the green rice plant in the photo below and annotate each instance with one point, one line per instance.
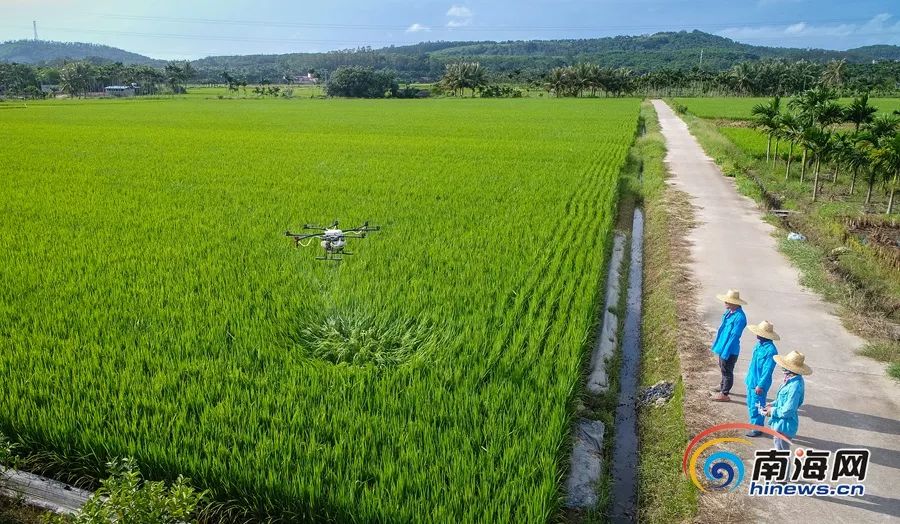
(151, 307)
(739, 108)
(753, 142)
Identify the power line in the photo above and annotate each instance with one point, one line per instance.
(227, 38)
(516, 28)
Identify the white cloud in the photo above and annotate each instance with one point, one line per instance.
(418, 28)
(460, 11)
(460, 16)
(878, 28)
(795, 28)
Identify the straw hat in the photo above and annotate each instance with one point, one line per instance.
(765, 330)
(732, 296)
(794, 362)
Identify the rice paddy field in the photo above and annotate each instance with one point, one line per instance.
(739, 108)
(151, 306)
(753, 141)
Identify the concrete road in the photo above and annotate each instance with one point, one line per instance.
(850, 402)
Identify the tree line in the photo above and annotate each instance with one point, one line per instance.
(750, 78)
(847, 139)
(81, 77)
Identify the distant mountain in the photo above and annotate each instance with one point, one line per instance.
(517, 59)
(46, 52)
(674, 50)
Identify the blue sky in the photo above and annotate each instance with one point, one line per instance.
(173, 29)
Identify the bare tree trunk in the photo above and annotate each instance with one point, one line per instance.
(853, 180)
(816, 180)
(890, 208)
(837, 170)
(775, 156)
(803, 166)
(787, 170)
(768, 148)
(871, 184)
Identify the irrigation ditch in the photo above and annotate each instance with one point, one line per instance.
(613, 376)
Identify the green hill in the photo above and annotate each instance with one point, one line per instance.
(47, 52)
(517, 59)
(674, 50)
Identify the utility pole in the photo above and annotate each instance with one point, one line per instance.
(34, 25)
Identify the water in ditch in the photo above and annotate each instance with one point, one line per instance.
(625, 443)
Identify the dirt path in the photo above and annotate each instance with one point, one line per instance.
(850, 402)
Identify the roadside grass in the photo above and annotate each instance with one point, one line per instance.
(832, 263)
(664, 494)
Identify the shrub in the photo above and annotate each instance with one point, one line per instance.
(361, 82)
(124, 498)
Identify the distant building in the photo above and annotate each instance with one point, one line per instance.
(119, 90)
(307, 79)
(49, 88)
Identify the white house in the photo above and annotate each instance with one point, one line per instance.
(119, 90)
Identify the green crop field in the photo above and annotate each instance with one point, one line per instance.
(151, 306)
(738, 108)
(754, 141)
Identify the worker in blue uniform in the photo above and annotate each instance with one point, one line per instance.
(790, 396)
(727, 344)
(759, 372)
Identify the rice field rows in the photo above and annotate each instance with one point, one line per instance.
(151, 306)
(739, 108)
(753, 141)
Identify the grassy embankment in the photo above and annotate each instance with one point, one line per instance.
(665, 495)
(840, 260)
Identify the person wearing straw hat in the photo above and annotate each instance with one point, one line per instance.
(759, 372)
(783, 410)
(727, 344)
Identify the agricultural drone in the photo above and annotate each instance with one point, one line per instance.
(333, 239)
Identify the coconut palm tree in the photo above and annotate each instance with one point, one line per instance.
(766, 118)
(833, 75)
(557, 81)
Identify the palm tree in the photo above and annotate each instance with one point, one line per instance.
(791, 130)
(557, 81)
(833, 75)
(766, 118)
(817, 108)
(883, 125)
(866, 144)
(887, 159)
(857, 157)
(459, 76)
(841, 144)
(859, 111)
(741, 76)
(818, 141)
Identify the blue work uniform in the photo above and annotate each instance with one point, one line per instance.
(759, 375)
(728, 338)
(784, 409)
(728, 344)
